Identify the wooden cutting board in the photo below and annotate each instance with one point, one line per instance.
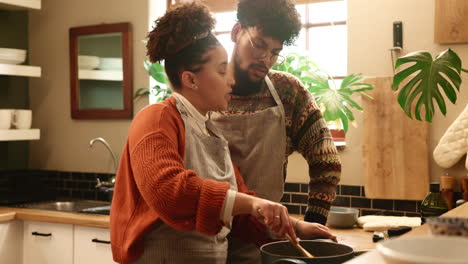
(395, 148)
(451, 21)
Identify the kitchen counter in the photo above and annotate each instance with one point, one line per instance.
(92, 220)
(374, 257)
(356, 237)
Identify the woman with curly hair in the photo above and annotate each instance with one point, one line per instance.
(177, 189)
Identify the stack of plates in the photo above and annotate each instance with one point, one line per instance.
(88, 62)
(110, 64)
(12, 56)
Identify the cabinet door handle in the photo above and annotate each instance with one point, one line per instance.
(41, 234)
(95, 240)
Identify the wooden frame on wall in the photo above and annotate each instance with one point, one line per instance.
(127, 66)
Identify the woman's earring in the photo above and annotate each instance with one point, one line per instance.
(194, 86)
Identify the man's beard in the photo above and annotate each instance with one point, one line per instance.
(244, 86)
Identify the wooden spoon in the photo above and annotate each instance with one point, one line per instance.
(303, 251)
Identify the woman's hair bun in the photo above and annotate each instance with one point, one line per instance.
(180, 25)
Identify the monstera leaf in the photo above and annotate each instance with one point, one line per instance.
(426, 79)
(337, 102)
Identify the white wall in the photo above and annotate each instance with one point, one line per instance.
(370, 36)
(64, 142)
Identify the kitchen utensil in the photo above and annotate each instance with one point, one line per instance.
(448, 226)
(324, 252)
(395, 148)
(424, 250)
(304, 252)
(342, 217)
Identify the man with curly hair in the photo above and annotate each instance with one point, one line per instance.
(271, 115)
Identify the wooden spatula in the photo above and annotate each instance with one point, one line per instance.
(303, 251)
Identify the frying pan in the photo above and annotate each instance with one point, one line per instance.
(325, 252)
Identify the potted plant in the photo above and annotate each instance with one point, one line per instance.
(427, 79)
(335, 101)
(161, 89)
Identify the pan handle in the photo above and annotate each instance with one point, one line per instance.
(288, 261)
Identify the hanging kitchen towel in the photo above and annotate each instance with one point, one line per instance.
(454, 143)
(382, 222)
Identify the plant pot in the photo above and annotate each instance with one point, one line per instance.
(338, 134)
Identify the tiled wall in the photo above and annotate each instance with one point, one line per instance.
(36, 185)
(295, 199)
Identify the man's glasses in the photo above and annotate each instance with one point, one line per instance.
(261, 53)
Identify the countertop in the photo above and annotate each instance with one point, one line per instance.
(355, 237)
(374, 257)
(92, 220)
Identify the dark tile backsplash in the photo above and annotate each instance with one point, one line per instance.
(382, 204)
(360, 202)
(350, 190)
(292, 187)
(38, 185)
(352, 196)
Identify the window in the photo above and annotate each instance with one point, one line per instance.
(323, 35)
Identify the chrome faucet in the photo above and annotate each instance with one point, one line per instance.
(112, 180)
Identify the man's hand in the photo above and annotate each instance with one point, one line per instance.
(306, 230)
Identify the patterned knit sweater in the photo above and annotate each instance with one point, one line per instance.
(307, 133)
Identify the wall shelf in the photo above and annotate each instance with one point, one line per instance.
(100, 75)
(19, 134)
(20, 4)
(20, 70)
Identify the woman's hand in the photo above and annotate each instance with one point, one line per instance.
(306, 230)
(273, 215)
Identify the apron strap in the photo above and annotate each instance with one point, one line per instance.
(275, 95)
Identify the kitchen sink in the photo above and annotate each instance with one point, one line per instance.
(75, 206)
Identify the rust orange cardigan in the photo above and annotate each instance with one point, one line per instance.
(153, 185)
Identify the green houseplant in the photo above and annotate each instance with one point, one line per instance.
(161, 89)
(335, 101)
(426, 80)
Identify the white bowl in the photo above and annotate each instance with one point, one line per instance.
(342, 217)
(425, 250)
(12, 60)
(88, 62)
(12, 51)
(110, 63)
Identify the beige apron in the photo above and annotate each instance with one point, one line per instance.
(209, 157)
(257, 143)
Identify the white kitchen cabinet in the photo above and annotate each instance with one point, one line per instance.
(11, 238)
(47, 243)
(92, 245)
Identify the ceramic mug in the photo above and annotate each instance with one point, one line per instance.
(6, 116)
(22, 119)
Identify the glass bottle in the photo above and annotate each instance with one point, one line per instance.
(434, 204)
